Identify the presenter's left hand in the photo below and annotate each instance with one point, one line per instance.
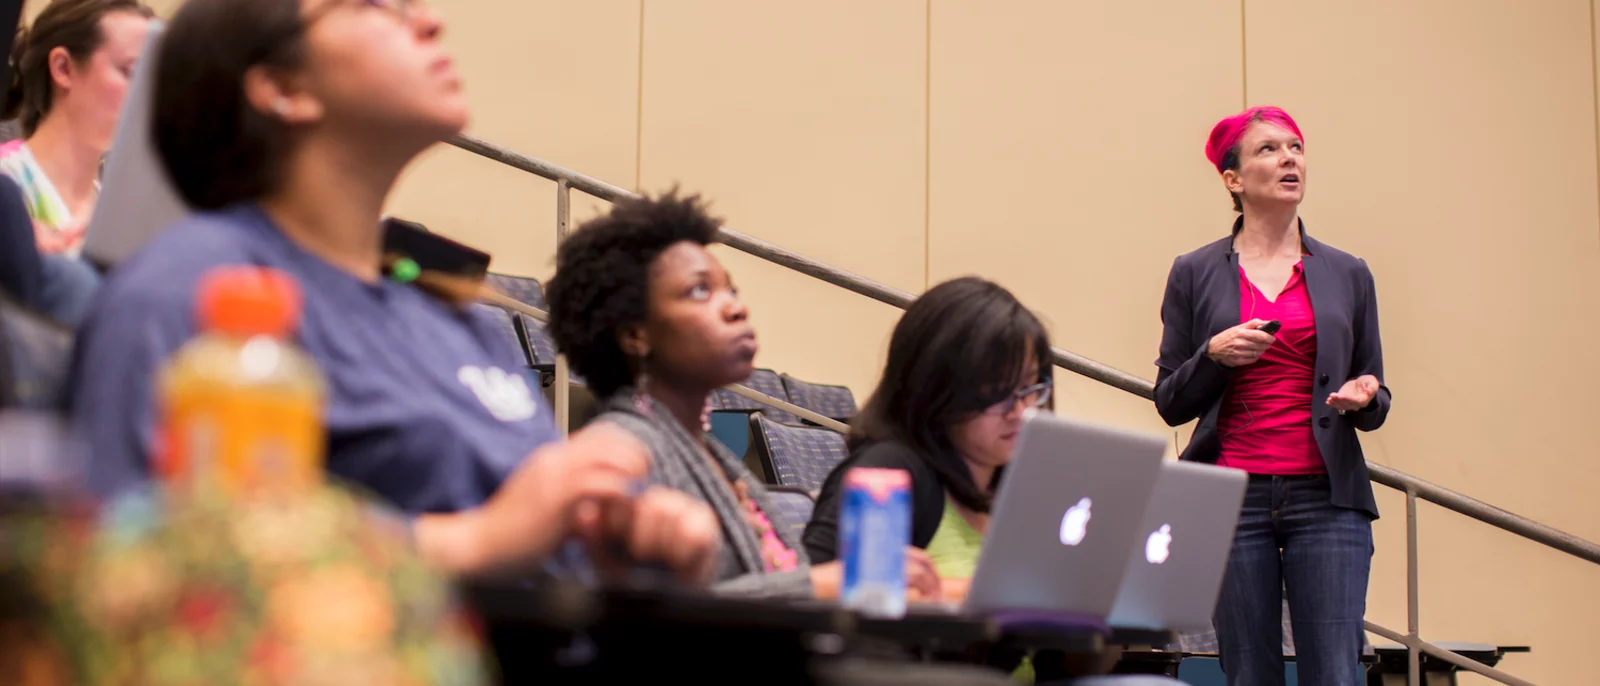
(1355, 395)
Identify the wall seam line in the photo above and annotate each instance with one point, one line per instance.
(1594, 89)
(1244, 59)
(638, 122)
(927, 146)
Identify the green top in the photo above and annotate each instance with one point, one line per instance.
(954, 551)
(955, 545)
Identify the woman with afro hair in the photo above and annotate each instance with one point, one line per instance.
(652, 320)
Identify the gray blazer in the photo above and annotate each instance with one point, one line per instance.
(678, 463)
(1202, 300)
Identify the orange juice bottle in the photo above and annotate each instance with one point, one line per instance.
(242, 406)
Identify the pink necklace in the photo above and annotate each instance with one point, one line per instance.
(776, 556)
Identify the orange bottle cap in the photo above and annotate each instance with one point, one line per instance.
(244, 301)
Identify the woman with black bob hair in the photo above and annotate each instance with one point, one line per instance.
(966, 362)
(652, 321)
(286, 124)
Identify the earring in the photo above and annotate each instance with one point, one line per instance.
(281, 107)
(641, 389)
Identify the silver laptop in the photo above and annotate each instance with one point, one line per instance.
(136, 199)
(1181, 550)
(1064, 520)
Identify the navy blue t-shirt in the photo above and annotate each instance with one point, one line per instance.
(427, 404)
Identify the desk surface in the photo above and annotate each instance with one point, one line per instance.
(571, 607)
(1155, 638)
(560, 606)
(534, 630)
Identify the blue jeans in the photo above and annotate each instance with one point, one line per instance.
(1292, 537)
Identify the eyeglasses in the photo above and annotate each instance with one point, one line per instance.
(1032, 397)
(403, 10)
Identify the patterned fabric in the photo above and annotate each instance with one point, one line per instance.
(40, 550)
(800, 456)
(791, 511)
(325, 590)
(44, 202)
(776, 554)
(764, 381)
(833, 402)
(527, 290)
(538, 340)
(506, 321)
(34, 359)
(521, 288)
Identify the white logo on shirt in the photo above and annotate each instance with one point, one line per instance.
(506, 395)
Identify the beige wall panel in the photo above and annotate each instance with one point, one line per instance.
(1452, 144)
(1056, 147)
(163, 8)
(556, 80)
(1066, 164)
(804, 124)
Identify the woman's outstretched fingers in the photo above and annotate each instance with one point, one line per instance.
(673, 528)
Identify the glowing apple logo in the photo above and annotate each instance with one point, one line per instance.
(1075, 524)
(1156, 548)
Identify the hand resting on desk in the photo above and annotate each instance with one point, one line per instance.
(954, 590)
(585, 487)
(922, 582)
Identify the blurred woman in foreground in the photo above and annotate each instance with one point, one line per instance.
(286, 125)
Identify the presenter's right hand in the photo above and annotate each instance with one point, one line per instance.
(1240, 345)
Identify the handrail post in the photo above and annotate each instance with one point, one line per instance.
(563, 375)
(1413, 604)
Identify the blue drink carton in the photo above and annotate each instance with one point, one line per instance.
(874, 530)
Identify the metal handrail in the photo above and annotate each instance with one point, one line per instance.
(1143, 388)
(781, 256)
(1486, 513)
(1414, 644)
(488, 294)
(1414, 488)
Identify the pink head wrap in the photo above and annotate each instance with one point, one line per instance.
(1226, 134)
